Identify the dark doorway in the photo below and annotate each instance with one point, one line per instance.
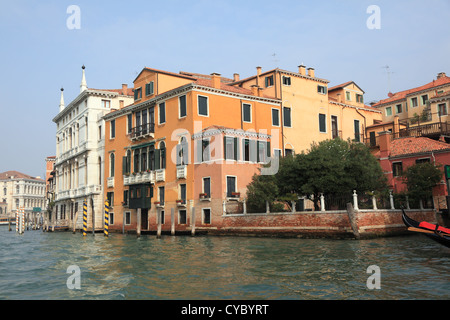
(144, 219)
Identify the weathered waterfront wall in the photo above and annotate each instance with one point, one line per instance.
(333, 224)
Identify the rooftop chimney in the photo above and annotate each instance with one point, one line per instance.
(61, 102)
(385, 143)
(311, 72)
(236, 77)
(216, 80)
(255, 90)
(390, 94)
(258, 73)
(124, 89)
(441, 75)
(83, 85)
(302, 70)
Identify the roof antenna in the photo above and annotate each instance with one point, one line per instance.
(389, 76)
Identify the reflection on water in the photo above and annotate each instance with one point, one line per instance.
(33, 266)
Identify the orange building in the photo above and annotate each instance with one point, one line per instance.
(188, 140)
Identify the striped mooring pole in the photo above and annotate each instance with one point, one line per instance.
(105, 230)
(17, 220)
(84, 217)
(22, 220)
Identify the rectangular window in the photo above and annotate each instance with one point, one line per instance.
(423, 160)
(111, 218)
(442, 109)
(357, 132)
(149, 88)
(206, 216)
(424, 99)
(113, 129)
(322, 123)
(286, 81)
(182, 217)
(398, 109)
(162, 113)
(106, 104)
(182, 103)
(231, 186)
(359, 98)
(230, 148)
(397, 169)
(183, 193)
(246, 112)
(205, 150)
(276, 117)
(207, 187)
(125, 197)
(322, 89)
(137, 93)
(334, 127)
(269, 81)
(203, 106)
(129, 123)
(287, 117)
(162, 217)
(414, 102)
(348, 96)
(389, 111)
(161, 195)
(127, 218)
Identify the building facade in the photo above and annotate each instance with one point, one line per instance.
(422, 111)
(79, 163)
(312, 112)
(20, 190)
(189, 140)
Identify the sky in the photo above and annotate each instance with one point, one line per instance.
(41, 51)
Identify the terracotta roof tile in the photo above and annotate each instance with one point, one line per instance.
(17, 175)
(414, 145)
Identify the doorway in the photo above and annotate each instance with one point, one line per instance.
(144, 219)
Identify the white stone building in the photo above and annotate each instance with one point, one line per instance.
(19, 190)
(80, 152)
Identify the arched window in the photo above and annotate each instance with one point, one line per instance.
(111, 164)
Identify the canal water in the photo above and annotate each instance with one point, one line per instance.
(38, 265)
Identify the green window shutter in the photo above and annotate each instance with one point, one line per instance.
(268, 149)
(124, 165)
(224, 148)
(253, 151)
(199, 148)
(157, 159)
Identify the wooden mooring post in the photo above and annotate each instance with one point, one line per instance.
(158, 221)
(193, 222)
(172, 221)
(138, 228)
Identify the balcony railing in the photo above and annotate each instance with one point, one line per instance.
(139, 177)
(110, 182)
(143, 131)
(436, 128)
(181, 172)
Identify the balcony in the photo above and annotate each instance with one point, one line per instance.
(181, 172)
(143, 131)
(110, 182)
(181, 202)
(139, 177)
(160, 175)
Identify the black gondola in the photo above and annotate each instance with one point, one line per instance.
(432, 231)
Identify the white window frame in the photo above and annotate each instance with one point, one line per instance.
(203, 215)
(179, 107)
(279, 118)
(159, 113)
(235, 183)
(207, 106)
(242, 111)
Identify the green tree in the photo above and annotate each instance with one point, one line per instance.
(421, 178)
(331, 167)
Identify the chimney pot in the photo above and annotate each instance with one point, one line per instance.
(441, 75)
(311, 72)
(236, 77)
(302, 70)
(216, 80)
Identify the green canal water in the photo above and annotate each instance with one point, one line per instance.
(35, 265)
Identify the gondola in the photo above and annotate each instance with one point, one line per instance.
(432, 231)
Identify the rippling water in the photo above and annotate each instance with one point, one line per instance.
(34, 266)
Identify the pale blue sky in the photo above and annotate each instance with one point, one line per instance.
(39, 54)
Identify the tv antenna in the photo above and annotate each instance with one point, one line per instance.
(389, 76)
